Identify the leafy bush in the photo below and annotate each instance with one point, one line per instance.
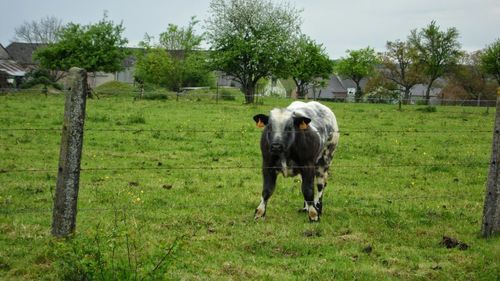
(158, 67)
(382, 95)
(111, 255)
(136, 119)
(40, 77)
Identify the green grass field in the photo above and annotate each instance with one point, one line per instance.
(168, 190)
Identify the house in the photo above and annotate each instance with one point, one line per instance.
(344, 90)
(336, 89)
(22, 54)
(11, 73)
(417, 92)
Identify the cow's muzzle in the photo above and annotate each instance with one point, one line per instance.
(276, 147)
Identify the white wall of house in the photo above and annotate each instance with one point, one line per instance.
(99, 78)
(126, 75)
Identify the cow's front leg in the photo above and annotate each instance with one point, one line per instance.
(308, 192)
(269, 177)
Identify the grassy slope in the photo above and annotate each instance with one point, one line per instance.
(137, 214)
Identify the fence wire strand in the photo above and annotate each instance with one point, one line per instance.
(188, 93)
(251, 130)
(331, 200)
(243, 167)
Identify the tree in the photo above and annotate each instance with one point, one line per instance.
(400, 67)
(436, 51)
(356, 66)
(153, 66)
(181, 38)
(189, 67)
(490, 60)
(44, 31)
(310, 65)
(94, 47)
(379, 89)
(180, 62)
(251, 39)
(469, 76)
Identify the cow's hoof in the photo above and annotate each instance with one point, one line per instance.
(260, 213)
(313, 214)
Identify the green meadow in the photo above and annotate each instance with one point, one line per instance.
(169, 186)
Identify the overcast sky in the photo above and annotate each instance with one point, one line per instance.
(338, 25)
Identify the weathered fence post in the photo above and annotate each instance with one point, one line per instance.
(68, 178)
(491, 212)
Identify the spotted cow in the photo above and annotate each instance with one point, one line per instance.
(300, 139)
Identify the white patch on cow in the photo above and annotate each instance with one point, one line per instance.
(305, 208)
(317, 196)
(279, 118)
(261, 209)
(284, 167)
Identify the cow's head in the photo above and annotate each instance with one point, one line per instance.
(280, 128)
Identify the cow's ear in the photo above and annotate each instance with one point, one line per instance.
(261, 120)
(301, 122)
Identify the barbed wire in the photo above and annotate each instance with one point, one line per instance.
(251, 130)
(331, 201)
(168, 207)
(415, 100)
(209, 168)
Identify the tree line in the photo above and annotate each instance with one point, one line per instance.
(254, 40)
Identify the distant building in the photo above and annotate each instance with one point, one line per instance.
(336, 89)
(11, 73)
(344, 90)
(22, 54)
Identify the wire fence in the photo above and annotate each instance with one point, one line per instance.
(218, 95)
(195, 131)
(390, 200)
(332, 201)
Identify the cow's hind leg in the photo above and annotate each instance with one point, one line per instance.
(269, 177)
(322, 173)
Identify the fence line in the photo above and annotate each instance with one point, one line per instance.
(251, 130)
(333, 199)
(389, 200)
(334, 166)
(188, 93)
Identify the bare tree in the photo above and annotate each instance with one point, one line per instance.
(44, 31)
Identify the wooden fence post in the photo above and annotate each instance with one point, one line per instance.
(491, 212)
(68, 178)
